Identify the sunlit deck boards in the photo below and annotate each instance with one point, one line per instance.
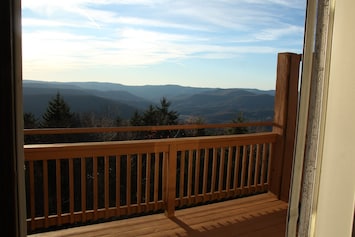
(260, 215)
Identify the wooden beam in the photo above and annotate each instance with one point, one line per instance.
(285, 113)
(12, 181)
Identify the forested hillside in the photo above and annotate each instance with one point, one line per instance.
(210, 105)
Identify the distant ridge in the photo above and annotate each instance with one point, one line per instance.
(214, 105)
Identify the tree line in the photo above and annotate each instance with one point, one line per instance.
(59, 115)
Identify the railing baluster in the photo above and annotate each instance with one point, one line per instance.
(263, 165)
(83, 188)
(236, 168)
(95, 181)
(165, 175)
(242, 182)
(147, 182)
(271, 155)
(45, 192)
(32, 194)
(229, 169)
(71, 190)
(156, 180)
(205, 170)
(118, 185)
(128, 184)
(59, 191)
(214, 168)
(250, 165)
(257, 167)
(221, 172)
(139, 182)
(189, 175)
(182, 176)
(197, 174)
(107, 186)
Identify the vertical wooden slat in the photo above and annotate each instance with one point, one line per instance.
(95, 190)
(165, 177)
(139, 182)
(229, 169)
(71, 190)
(147, 181)
(83, 188)
(271, 155)
(45, 192)
(250, 166)
(197, 173)
(128, 184)
(257, 167)
(59, 192)
(214, 168)
(107, 186)
(221, 171)
(32, 194)
(118, 185)
(189, 175)
(263, 164)
(171, 181)
(156, 180)
(205, 169)
(182, 175)
(242, 180)
(236, 168)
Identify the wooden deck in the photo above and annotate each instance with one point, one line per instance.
(260, 215)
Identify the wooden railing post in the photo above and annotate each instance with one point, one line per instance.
(171, 181)
(285, 113)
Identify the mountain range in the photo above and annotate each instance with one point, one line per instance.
(213, 105)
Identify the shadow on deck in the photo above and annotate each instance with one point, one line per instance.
(259, 215)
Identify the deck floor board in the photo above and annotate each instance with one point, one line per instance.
(261, 215)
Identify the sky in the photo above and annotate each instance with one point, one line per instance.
(199, 43)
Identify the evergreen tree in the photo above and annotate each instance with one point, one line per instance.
(166, 117)
(150, 116)
(155, 115)
(136, 119)
(58, 114)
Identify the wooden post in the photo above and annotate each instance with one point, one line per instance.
(171, 182)
(285, 113)
(12, 174)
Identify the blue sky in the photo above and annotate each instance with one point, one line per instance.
(203, 43)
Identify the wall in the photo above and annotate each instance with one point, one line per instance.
(337, 178)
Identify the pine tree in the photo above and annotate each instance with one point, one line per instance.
(166, 117)
(58, 114)
(156, 115)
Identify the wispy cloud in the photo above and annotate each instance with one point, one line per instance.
(83, 33)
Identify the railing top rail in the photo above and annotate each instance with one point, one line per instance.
(51, 151)
(43, 131)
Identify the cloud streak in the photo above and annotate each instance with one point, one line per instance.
(69, 34)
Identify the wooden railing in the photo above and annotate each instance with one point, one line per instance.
(82, 182)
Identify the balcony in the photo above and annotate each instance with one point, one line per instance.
(259, 215)
(206, 186)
